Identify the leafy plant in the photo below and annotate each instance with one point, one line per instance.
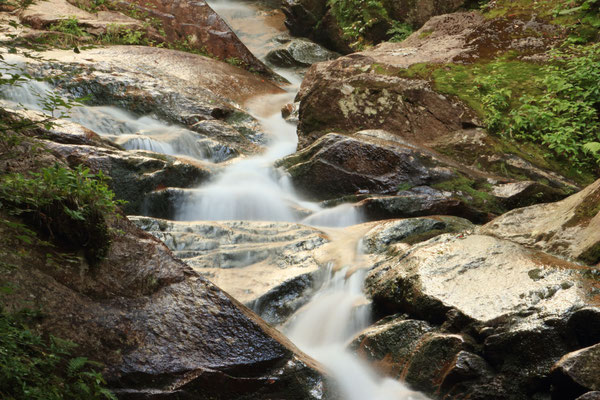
(566, 117)
(69, 26)
(355, 17)
(67, 205)
(34, 368)
(399, 31)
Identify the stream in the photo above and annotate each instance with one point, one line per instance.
(251, 188)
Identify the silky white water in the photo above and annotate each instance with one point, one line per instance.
(122, 127)
(252, 189)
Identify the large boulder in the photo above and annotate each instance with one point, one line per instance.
(160, 329)
(198, 26)
(569, 228)
(517, 311)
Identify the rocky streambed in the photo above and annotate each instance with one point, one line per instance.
(382, 232)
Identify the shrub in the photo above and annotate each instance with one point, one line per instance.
(34, 368)
(68, 205)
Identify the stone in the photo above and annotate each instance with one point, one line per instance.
(415, 204)
(384, 235)
(589, 396)
(577, 373)
(569, 228)
(389, 344)
(299, 53)
(270, 266)
(197, 25)
(160, 329)
(525, 193)
(511, 304)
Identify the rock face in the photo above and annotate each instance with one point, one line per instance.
(314, 19)
(338, 165)
(569, 228)
(268, 266)
(195, 24)
(160, 329)
(577, 373)
(503, 315)
(299, 53)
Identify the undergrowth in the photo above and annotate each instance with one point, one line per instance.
(36, 368)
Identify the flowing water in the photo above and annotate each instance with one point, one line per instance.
(252, 189)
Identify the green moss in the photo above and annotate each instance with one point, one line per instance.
(472, 192)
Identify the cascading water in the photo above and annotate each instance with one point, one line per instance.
(120, 126)
(251, 189)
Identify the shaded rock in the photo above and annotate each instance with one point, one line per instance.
(431, 361)
(590, 396)
(134, 173)
(268, 265)
(569, 228)
(299, 53)
(383, 236)
(160, 329)
(390, 343)
(585, 323)
(525, 193)
(419, 203)
(195, 24)
(577, 373)
(470, 375)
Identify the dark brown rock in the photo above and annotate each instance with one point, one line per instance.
(161, 330)
(197, 25)
(577, 373)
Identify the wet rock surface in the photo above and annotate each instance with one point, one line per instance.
(576, 373)
(299, 53)
(510, 307)
(269, 266)
(162, 330)
(569, 228)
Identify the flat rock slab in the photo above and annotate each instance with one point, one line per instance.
(482, 277)
(247, 259)
(569, 228)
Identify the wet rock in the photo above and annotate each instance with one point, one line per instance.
(585, 323)
(569, 228)
(516, 304)
(160, 329)
(525, 193)
(197, 25)
(268, 265)
(134, 174)
(290, 112)
(189, 90)
(577, 373)
(432, 360)
(419, 203)
(338, 165)
(389, 344)
(383, 236)
(299, 53)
